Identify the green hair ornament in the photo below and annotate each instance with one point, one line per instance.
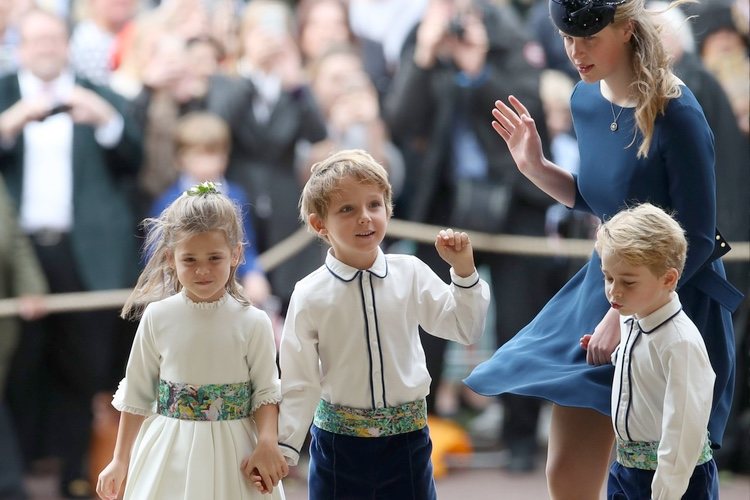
(204, 188)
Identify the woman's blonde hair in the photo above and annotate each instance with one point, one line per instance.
(654, 83)
(644, 235)
(326, 175)
(190, 214)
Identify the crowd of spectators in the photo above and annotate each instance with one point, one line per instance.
(279, 85)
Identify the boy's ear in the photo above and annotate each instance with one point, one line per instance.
(671, 277)
(318, 224)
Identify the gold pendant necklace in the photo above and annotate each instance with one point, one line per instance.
(613, 126)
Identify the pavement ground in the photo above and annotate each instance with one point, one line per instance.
(483, 479)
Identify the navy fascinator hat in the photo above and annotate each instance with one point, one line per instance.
(582, 17)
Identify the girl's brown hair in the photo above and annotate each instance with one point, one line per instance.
(188, 215)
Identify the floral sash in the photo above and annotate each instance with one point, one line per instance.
(643, 454)
(204, 402)
(379, 422)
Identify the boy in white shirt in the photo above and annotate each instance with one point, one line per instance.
(351, 358)
(663, 383)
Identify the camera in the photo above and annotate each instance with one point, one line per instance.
(56, 110)
(456, 26)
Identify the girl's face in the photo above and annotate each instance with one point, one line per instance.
(203, 263)
(635, 289)
(602, 55)
(356, 222)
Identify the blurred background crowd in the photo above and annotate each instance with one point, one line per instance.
(109, 109)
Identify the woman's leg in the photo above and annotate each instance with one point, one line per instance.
(578, 454)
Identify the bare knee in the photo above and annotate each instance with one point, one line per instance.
(579, 451)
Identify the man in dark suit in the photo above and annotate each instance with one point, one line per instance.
(68, 153)
(462, 57)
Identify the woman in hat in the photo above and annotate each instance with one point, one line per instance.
(642, 137)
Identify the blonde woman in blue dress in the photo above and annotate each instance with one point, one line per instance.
(199, 401)
(642, 137)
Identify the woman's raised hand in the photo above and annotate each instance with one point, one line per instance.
(518, 130)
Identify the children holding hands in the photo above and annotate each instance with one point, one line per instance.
(663, 383)
(200, 398)
(350, 356)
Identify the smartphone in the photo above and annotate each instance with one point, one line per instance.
(57, 109)
(273, 21)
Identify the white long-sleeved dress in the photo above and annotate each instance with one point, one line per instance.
(185, 342)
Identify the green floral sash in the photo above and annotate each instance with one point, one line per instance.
(204, 402)
(643, 454)
(380, 422)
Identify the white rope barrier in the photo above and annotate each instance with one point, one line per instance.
(398, 229)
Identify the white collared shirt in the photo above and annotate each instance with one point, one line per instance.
(662, 391)
(267, 88)
(47, 194)
(351, 337)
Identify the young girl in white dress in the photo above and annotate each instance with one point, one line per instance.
(199, 401)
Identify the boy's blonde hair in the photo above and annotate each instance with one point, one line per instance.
(192, 213)
(644, 235)
(327, 174)
(202, 129)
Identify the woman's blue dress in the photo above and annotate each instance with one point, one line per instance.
(544, 359)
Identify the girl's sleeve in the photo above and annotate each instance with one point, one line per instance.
(687, 404)
(454, 312)
(300, 379)
(137, 392)
(688, 151)
(264, 376)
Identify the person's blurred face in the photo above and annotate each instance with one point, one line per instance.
(334, 73)
(113, 13)
(265, 31)
(44, 45)
(325, 27)
(5, 7)
(558, 117)
(203, 162)
(203, 59)
(722, 43)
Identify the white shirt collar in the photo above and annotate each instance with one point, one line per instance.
(32, 86)
(661, 315)
(346, 272)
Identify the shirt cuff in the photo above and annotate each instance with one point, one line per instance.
(290, 454)
(466, 282)
(109, 134)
